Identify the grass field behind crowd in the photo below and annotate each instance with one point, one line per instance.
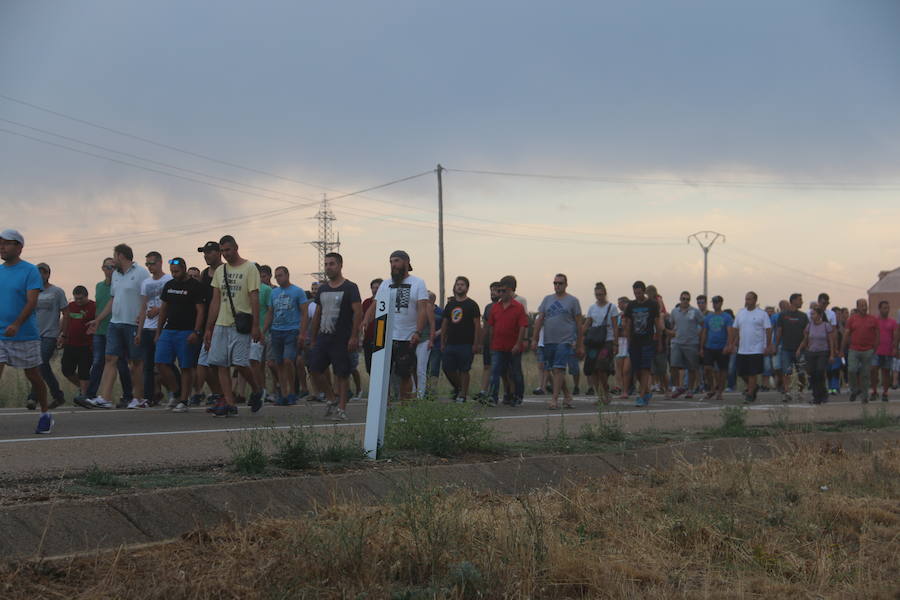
(14, 387)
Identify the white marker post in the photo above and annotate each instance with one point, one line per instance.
(380, 377)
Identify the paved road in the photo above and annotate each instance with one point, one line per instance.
(156, 437)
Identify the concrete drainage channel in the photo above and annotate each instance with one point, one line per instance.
(63, 528)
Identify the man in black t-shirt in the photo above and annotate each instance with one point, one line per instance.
(334, 334)
(179, 329)
(642, 325)
(212, 255)
(460, 336)
(791, 325)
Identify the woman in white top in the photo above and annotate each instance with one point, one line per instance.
(600, 340)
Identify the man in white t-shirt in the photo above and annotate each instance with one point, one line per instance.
(151, 289)
(412, 312)
(751, 337)
(823, 301)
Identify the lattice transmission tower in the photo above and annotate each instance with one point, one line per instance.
(326, 242)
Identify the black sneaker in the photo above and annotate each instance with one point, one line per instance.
(576, 391)
(589, 392)
(83, 402)
(196, 400)
(255, 402)
(854, 396)
(231, 411)
(57, 402)
(537, 392)
(884, 397)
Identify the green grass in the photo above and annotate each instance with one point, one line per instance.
(438, 428)
(248, 452)
(97, 477)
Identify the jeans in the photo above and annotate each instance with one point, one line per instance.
(97, 369)
(507, 362)
(732, 370)
(858, 364)
(148, 352)
(48, 349)
(816, 366)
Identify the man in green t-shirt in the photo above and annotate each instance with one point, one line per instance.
(101, 297)
(258, 349)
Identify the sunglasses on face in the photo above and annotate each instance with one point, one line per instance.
(150, 263)
(559, 283)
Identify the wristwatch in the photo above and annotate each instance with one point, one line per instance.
(198, 332)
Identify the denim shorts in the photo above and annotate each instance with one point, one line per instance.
(284, 345)
(787, 360)
(458, 358)
(120, 341)
(173, 344)
(558, 356)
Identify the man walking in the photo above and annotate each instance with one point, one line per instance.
(148, 319)
(507, 323)
(20, 341)
(212, 256)
(861, 337)
(792, 324)
(368, 341)
(284, 319)
(335, 334)
(232, 323)
(76, 341)
(486, 343)
(685, 347)
(102, 298)
(178, 331)
(559, 316)
(884, 351)
(52, 302)
(713, 339)
(643, 327)
(122, 333)
(751, 337)
(460, 336)
(413, 313)
(259, 349)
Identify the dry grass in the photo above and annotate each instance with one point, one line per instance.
(810, 524)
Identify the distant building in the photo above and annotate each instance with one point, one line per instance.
(887, 288)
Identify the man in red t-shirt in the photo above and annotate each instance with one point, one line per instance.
(861, 335)
(507, 323)
(75, 340)
(884, 351)
(367, 330)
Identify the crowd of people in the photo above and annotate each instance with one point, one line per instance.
(228, 329)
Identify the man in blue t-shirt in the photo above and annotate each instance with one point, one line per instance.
(286, 319)
(20, 341)
(713, 339)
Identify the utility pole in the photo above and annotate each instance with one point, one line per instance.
(705, 244)
(441, 296)
(325, 243)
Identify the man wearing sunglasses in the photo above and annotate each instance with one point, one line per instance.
(559, 316)
(178, 330)
(507, 323)
(148, 319)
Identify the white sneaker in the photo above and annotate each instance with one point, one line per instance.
(135, 403)
(329, 408)
(99, 402)
(180, 408)
(339, 415)
(173, 401)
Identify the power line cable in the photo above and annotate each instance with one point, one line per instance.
(827, 185)
(791, 269)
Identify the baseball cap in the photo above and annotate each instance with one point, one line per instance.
(209, 247)
(402, 254)
(12, 234)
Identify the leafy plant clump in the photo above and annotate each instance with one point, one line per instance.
(437, 428)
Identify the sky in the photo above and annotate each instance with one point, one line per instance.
(166, 124)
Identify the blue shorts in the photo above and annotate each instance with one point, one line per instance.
(120, 342)
(172, 344)
(787, 360)
(354, 360)
(539, 353)
(642, 355)
(283, 345)
(558, 356)
(458, 358)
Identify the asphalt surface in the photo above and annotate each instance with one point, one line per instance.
(156, 437)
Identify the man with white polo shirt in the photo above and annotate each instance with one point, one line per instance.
(121, 335)
(20, 342)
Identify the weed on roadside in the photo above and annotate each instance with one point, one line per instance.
(879, 420)
(734, 422)
(607, 429)
(97, 477)
(438, 428)
(248, 454)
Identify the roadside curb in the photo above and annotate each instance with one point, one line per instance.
(65, 527)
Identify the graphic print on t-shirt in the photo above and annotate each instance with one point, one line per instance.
(456, 314)
(640, 320)
(331, 310)
(403, 293)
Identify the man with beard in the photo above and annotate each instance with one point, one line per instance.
(335, 334)
(212, 255)
(460, 337)
(412, 313)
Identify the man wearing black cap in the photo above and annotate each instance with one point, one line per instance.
(212, 254)
(20, 341)
(412, 312)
